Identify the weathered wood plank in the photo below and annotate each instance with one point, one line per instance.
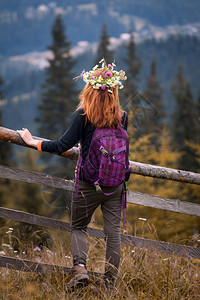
(174, 205)
(35, 177)
(20, 216)
(181, 250)
(30, 266)
(12, 136)
(26, 265)
(164, 173)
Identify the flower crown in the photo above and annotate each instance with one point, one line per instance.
(111, 80)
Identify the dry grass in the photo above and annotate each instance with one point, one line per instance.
(143, 274)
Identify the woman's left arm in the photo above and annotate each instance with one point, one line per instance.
(64, 143)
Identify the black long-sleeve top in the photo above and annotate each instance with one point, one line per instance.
(80, 130)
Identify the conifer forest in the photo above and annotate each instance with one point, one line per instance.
(162, 98)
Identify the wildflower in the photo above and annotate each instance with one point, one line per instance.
(85, 78)
(108, 74)
(112, 85)
(110, 91)
(100, 78)
(116, 82)
(93, 81)
(113, 79)
(82, 72)
(37, 249)
(95, 67)
(142, 219)
(8, 246)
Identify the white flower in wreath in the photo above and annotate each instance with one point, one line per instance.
(109, 81)
(98, 85)
(100, 78)
(112, 84)
(100, 82)
(85, 77)
(120, 85)
(95, 67)
(92, 82)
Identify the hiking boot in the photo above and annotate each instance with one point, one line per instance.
(79, 279)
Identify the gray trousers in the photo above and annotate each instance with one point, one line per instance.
(82, 210)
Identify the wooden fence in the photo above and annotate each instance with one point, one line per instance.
(175, 205)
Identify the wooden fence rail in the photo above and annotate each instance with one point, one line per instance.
(12, 136)
(174, 205)
(171, 248)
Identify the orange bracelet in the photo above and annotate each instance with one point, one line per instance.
(39, 146)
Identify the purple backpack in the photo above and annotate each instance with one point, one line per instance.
(107, 162)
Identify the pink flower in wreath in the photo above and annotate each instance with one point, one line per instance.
(108, 74)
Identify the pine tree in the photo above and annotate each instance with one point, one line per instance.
(133, 67)
(58, 101)
(5, 148)
(59, 96)
(153, 117)
(103, 50)
(197, 109)
(183, 121)
(130, 98)
(5, 159)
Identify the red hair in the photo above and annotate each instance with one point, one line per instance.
(101, 107)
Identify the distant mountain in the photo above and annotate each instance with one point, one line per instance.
(25, 25)
(168, 30)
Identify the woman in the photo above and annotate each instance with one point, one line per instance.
(99, 107)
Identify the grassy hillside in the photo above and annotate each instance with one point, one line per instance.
(143, 274)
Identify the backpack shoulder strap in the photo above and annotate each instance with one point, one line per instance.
(124, 117)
